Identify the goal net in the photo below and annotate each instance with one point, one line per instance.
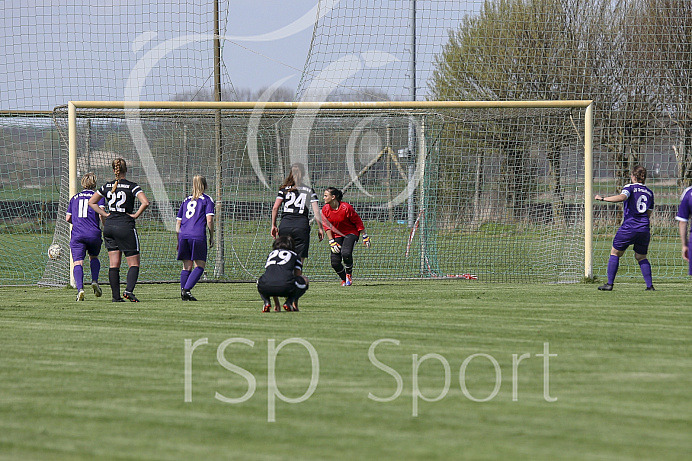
(489, 190)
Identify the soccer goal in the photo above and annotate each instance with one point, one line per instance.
(494, 190)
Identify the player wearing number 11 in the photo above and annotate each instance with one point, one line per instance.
(85, 237)
(635, 229)
(119, 231)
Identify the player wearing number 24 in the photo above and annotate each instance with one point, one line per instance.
(635, 229)
(195, 216)
(295, 199)
(119, 231)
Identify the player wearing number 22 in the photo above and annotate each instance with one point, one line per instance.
(635, 229)
(119, 231)
(195, 216)
(86, 236)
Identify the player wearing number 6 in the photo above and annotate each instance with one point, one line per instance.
(635, 229)
(85, 237)
(343, 227)
(119, 231)
(195, 216)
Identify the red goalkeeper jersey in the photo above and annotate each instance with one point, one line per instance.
(344, 219)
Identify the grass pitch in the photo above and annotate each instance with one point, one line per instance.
(534, 372)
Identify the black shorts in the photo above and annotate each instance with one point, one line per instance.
(121, 237)
(300, 234)
(288, 289)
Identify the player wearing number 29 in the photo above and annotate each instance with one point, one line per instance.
(635, 229)
(119, 230)
(86, 236)
(195, 216)
(295, 200)
(282, 276)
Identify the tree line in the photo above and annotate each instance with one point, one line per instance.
(632, 57)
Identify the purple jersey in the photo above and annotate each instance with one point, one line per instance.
(685, 208)
(85, 221)
(684, 213)
(639, 201)
(193, 217)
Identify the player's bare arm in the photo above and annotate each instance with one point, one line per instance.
(143, 205)
(94, 204)
(682, 229)
(613, 198)
(318, 217)
(275, 212)
(210, 226)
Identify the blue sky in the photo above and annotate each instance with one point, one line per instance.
(57, 50)
(284, 29)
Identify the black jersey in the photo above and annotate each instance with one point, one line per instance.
(121, 203)
(279, 269)
(296, 202)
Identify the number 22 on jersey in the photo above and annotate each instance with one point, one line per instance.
(116, 200)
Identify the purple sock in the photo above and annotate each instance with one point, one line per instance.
(95, 266)
(78, 272)
(613, 264)
(195, 275)
(183, 278)
(645, 266)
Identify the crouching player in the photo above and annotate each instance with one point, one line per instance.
(282, 276)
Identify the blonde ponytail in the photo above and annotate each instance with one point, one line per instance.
(199, 185)
(119, 167)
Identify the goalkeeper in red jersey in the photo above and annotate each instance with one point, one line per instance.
(343, 227)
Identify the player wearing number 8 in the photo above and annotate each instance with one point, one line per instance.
(119, 231)
(635, 229)
(195, 216)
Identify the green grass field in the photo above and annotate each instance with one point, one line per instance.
(96, 380)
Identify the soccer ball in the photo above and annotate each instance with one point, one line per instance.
(54, 251)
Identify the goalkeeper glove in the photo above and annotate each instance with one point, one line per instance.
(334, 246)
(366, 240)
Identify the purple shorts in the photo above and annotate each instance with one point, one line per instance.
(81, 246)
(640, 239)
(192, 250)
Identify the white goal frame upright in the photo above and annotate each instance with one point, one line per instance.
(402, 105)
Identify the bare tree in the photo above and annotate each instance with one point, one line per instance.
(663, 35)
(520, 50)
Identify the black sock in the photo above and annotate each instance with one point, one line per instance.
(132, 276)
(114, 280)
